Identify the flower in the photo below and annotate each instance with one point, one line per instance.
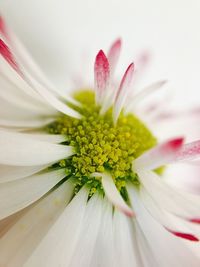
(81, 176)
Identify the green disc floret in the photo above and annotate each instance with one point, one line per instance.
(100, 145)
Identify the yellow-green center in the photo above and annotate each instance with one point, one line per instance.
(100, 145)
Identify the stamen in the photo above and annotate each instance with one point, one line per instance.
(100, 145)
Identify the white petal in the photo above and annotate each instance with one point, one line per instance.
(11, 173)
(49, 97)
(113, 194)
(183, 176)
(17, 195)
(126, 249)
(86, 244)
(8, 222)
(183, 204)
(104, 248)
(113, 55)
(40, 89)
(146, 253)
(19, 150)
(169, 221)
(31, 123)
(123, 91)
(51, 138)
(21, 240)
(16, 80)
(143, 94)
(167, 249)
(20, 99)
(62, 237)
(25, 58)
(162, 154)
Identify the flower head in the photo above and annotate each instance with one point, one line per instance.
(82, 175)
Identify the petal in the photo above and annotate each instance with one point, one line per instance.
(26, 59)
(172, 223)
(19, 150)
(66, 230)
(189, 151)
(123, 91)
(11, 173)
(113, 55)
(27, 68)
(21, 240)
(183, 176)
(50, 138)
(126, 248)
(145, 92)
(113, 194)
(183, 204)
(86, 244)
(104, 249)
(167, 249)
(17, 195)
(8, 56)
(31, 123)
(162, 154)
(101, 75)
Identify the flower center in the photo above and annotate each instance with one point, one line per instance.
(100, 145)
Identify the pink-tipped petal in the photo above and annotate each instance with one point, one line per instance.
(8, 56)
(101, 75)
(187, 236)
(195, 220)
(2, 27)
(123, 91)
(189, 152)
(113, 54)
(162, 154)
(113, 194)
(181, 204)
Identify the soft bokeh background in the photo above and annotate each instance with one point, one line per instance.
(62, 34)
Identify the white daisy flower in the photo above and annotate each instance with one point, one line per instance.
(83, 180)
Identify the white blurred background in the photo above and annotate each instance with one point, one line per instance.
(61, 34)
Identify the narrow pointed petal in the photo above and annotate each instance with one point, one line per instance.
(8, 56)
(66, 230)
(162, 154)
(34, 224)
(86, 244)
(50, 138)
(176, 253)
(189, 237)
(38, 87)
(17, 195)
(24, 58)
(113, 55)
(114, 196)
(11, 173)
(169, 221)
(189, 152)
(19, 150)
(123, 91)
(25, 123)
(49, 97)
(104, 254)
(101, 75)
(145, 92)
(126, 248)
(182, 204)
(2, 27)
